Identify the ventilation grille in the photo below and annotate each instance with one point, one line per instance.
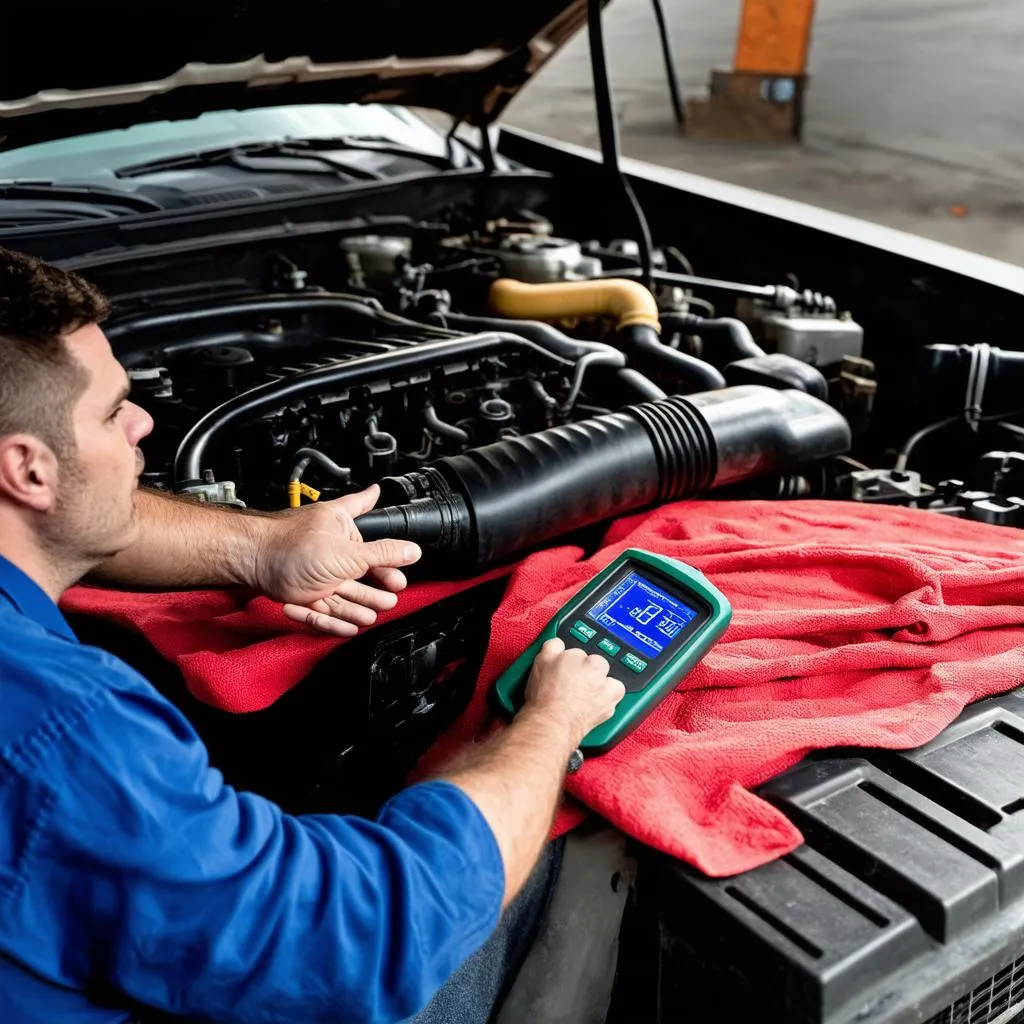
(227, 195)
(989, 1001)
(223, 196)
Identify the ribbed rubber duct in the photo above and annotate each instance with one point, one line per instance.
(488, 503)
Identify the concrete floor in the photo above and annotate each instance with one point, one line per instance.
(915, 107)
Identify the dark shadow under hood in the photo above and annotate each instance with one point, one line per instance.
(91, 67)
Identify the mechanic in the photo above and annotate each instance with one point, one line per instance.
(131, 876)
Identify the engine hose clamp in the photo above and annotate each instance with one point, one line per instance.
(977, 380)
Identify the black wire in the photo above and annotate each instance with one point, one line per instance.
(608, 132)
(449, 140)
(678, 109)
(487, 150)
(912, 442)
(693, 300)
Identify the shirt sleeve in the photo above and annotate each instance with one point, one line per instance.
(161, 881)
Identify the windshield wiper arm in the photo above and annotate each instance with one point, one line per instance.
(77, 194)
(300, 149)
(239, 156)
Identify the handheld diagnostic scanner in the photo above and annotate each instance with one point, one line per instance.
(652, 617)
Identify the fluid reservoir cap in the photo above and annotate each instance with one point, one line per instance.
(227, 355)
(496, 410)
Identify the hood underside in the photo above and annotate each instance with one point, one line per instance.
(98, 68)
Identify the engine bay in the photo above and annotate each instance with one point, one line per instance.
(422, 345)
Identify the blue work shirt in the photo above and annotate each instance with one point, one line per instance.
(130, 873)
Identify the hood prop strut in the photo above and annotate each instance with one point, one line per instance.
(608, 131)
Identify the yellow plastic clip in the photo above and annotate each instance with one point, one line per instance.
(296, 488)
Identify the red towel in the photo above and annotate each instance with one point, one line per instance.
(236, 651)
(853, 625)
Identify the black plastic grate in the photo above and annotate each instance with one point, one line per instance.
(989, 1001)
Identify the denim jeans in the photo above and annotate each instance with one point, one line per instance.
(476, 989)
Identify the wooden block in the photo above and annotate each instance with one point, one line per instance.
(746, 107)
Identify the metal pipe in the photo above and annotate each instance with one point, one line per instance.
(590, 359)
(272, 395)
(754, 291)
(226, 316)
(781, 296)
(547, 335)
(435, 423)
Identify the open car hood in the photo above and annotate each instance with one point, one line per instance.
(102, 69)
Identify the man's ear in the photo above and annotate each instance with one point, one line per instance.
(28, 472)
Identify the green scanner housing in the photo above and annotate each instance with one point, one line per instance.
(652, 617)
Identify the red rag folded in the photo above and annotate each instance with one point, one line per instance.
(236, 650)
(853, 625)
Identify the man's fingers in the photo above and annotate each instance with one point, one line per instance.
(349, 611)
(320, 621)
(390, 553)
(361, 594)
(389, 578)
(550, 648)
(356, 504)
(352, 607)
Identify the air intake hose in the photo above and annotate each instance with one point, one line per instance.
(490, 502)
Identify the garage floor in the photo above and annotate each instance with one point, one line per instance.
(915, 108)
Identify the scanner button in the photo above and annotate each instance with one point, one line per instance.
(608, 646)
(633, 663)
(582, 631)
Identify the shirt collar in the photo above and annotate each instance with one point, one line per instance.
(31, 600)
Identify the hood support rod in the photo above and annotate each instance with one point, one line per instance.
(608, 131)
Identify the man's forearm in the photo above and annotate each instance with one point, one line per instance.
(515, 778)
(183, 543)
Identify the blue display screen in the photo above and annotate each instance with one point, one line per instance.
(638, 613)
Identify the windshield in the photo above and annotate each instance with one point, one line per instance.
(95, 156)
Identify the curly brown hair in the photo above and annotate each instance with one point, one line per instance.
(40, 378)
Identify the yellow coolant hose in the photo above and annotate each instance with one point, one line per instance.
(628, 302)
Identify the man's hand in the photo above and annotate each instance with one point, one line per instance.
(313, 560)
(516, 776)
(573, 687)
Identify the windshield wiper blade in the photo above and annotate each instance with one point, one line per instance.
(370, 143)
(310, 149)
(55, 190)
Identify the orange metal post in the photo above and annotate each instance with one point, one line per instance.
(774, 36)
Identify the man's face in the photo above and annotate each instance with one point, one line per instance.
(95, 516)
